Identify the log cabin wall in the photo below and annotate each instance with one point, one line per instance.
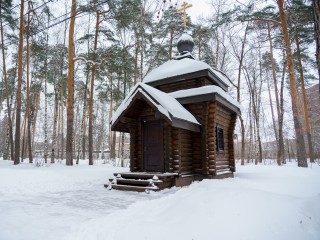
(231, 142)
(182, 151)
(211, 138)
(186, 165)
(198, 154)
(168, 148)
(176, 153)
(223, 160)
(187, 84)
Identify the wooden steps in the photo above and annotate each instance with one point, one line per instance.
(141, 182)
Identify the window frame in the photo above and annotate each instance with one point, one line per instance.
(220, 139)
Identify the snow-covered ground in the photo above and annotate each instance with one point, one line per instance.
(60, 202)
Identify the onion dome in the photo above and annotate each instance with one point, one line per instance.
(185, 44)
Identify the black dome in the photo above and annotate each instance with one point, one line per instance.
(185, 44)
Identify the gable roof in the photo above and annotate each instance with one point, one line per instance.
(207, 93)
(170, 109)
(182, 69)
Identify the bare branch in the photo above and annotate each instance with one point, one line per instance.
(226, 77)
(262, 20)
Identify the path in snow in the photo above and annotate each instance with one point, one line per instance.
(44, 203)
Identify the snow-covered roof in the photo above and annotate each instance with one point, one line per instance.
(165, 104)
(185, 37)
(174, 68)
(206, 90)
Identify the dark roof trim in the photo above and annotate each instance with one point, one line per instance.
(210, 97)
(175, 122)
(179, 123)
(202, 73)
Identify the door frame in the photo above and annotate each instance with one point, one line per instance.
(161, 148)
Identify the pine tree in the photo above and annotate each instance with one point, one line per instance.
(6, 17)
(18, 95)
(70, 114)
(301, 154)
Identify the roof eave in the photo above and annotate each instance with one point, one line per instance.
(210, 97)
(179, 123)
(120, 125)
(212, 77)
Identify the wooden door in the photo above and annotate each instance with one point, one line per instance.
(153, 146)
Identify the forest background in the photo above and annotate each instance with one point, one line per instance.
(67, 66)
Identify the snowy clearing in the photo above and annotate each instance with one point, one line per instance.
(60, 202)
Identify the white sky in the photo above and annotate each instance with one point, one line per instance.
(200, 8)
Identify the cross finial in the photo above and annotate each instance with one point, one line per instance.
(184, 8)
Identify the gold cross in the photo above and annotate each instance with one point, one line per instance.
(183, 9)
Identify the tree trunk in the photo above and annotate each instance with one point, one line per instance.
(274, 75)
(46, 102)
(305, 101)
(122, 150)
(62, 131)
(92, 91)
(29, 141)
(243, 143)
(54, 130)
(23, 130)
(301, 153)
(69, 148)
(281, 139)
(136, 52)
(58, 137)
(316, 17)
(111, 144)
(243, 146)
(18, 96)
(7, 144)
(272, 115)
(10, 134)
(84, 117)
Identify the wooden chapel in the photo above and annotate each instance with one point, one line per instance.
(181, 122)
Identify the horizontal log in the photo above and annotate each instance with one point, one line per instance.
(211, 145)
(222, 159)
(186, 159)
(211, 138)
(186, 154)
(187, 168)
(176, 167)
(219, 162)
(197, 162)
(220, 168)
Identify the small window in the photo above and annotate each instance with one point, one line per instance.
(220, 139)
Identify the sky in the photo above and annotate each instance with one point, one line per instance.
(200, 8)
